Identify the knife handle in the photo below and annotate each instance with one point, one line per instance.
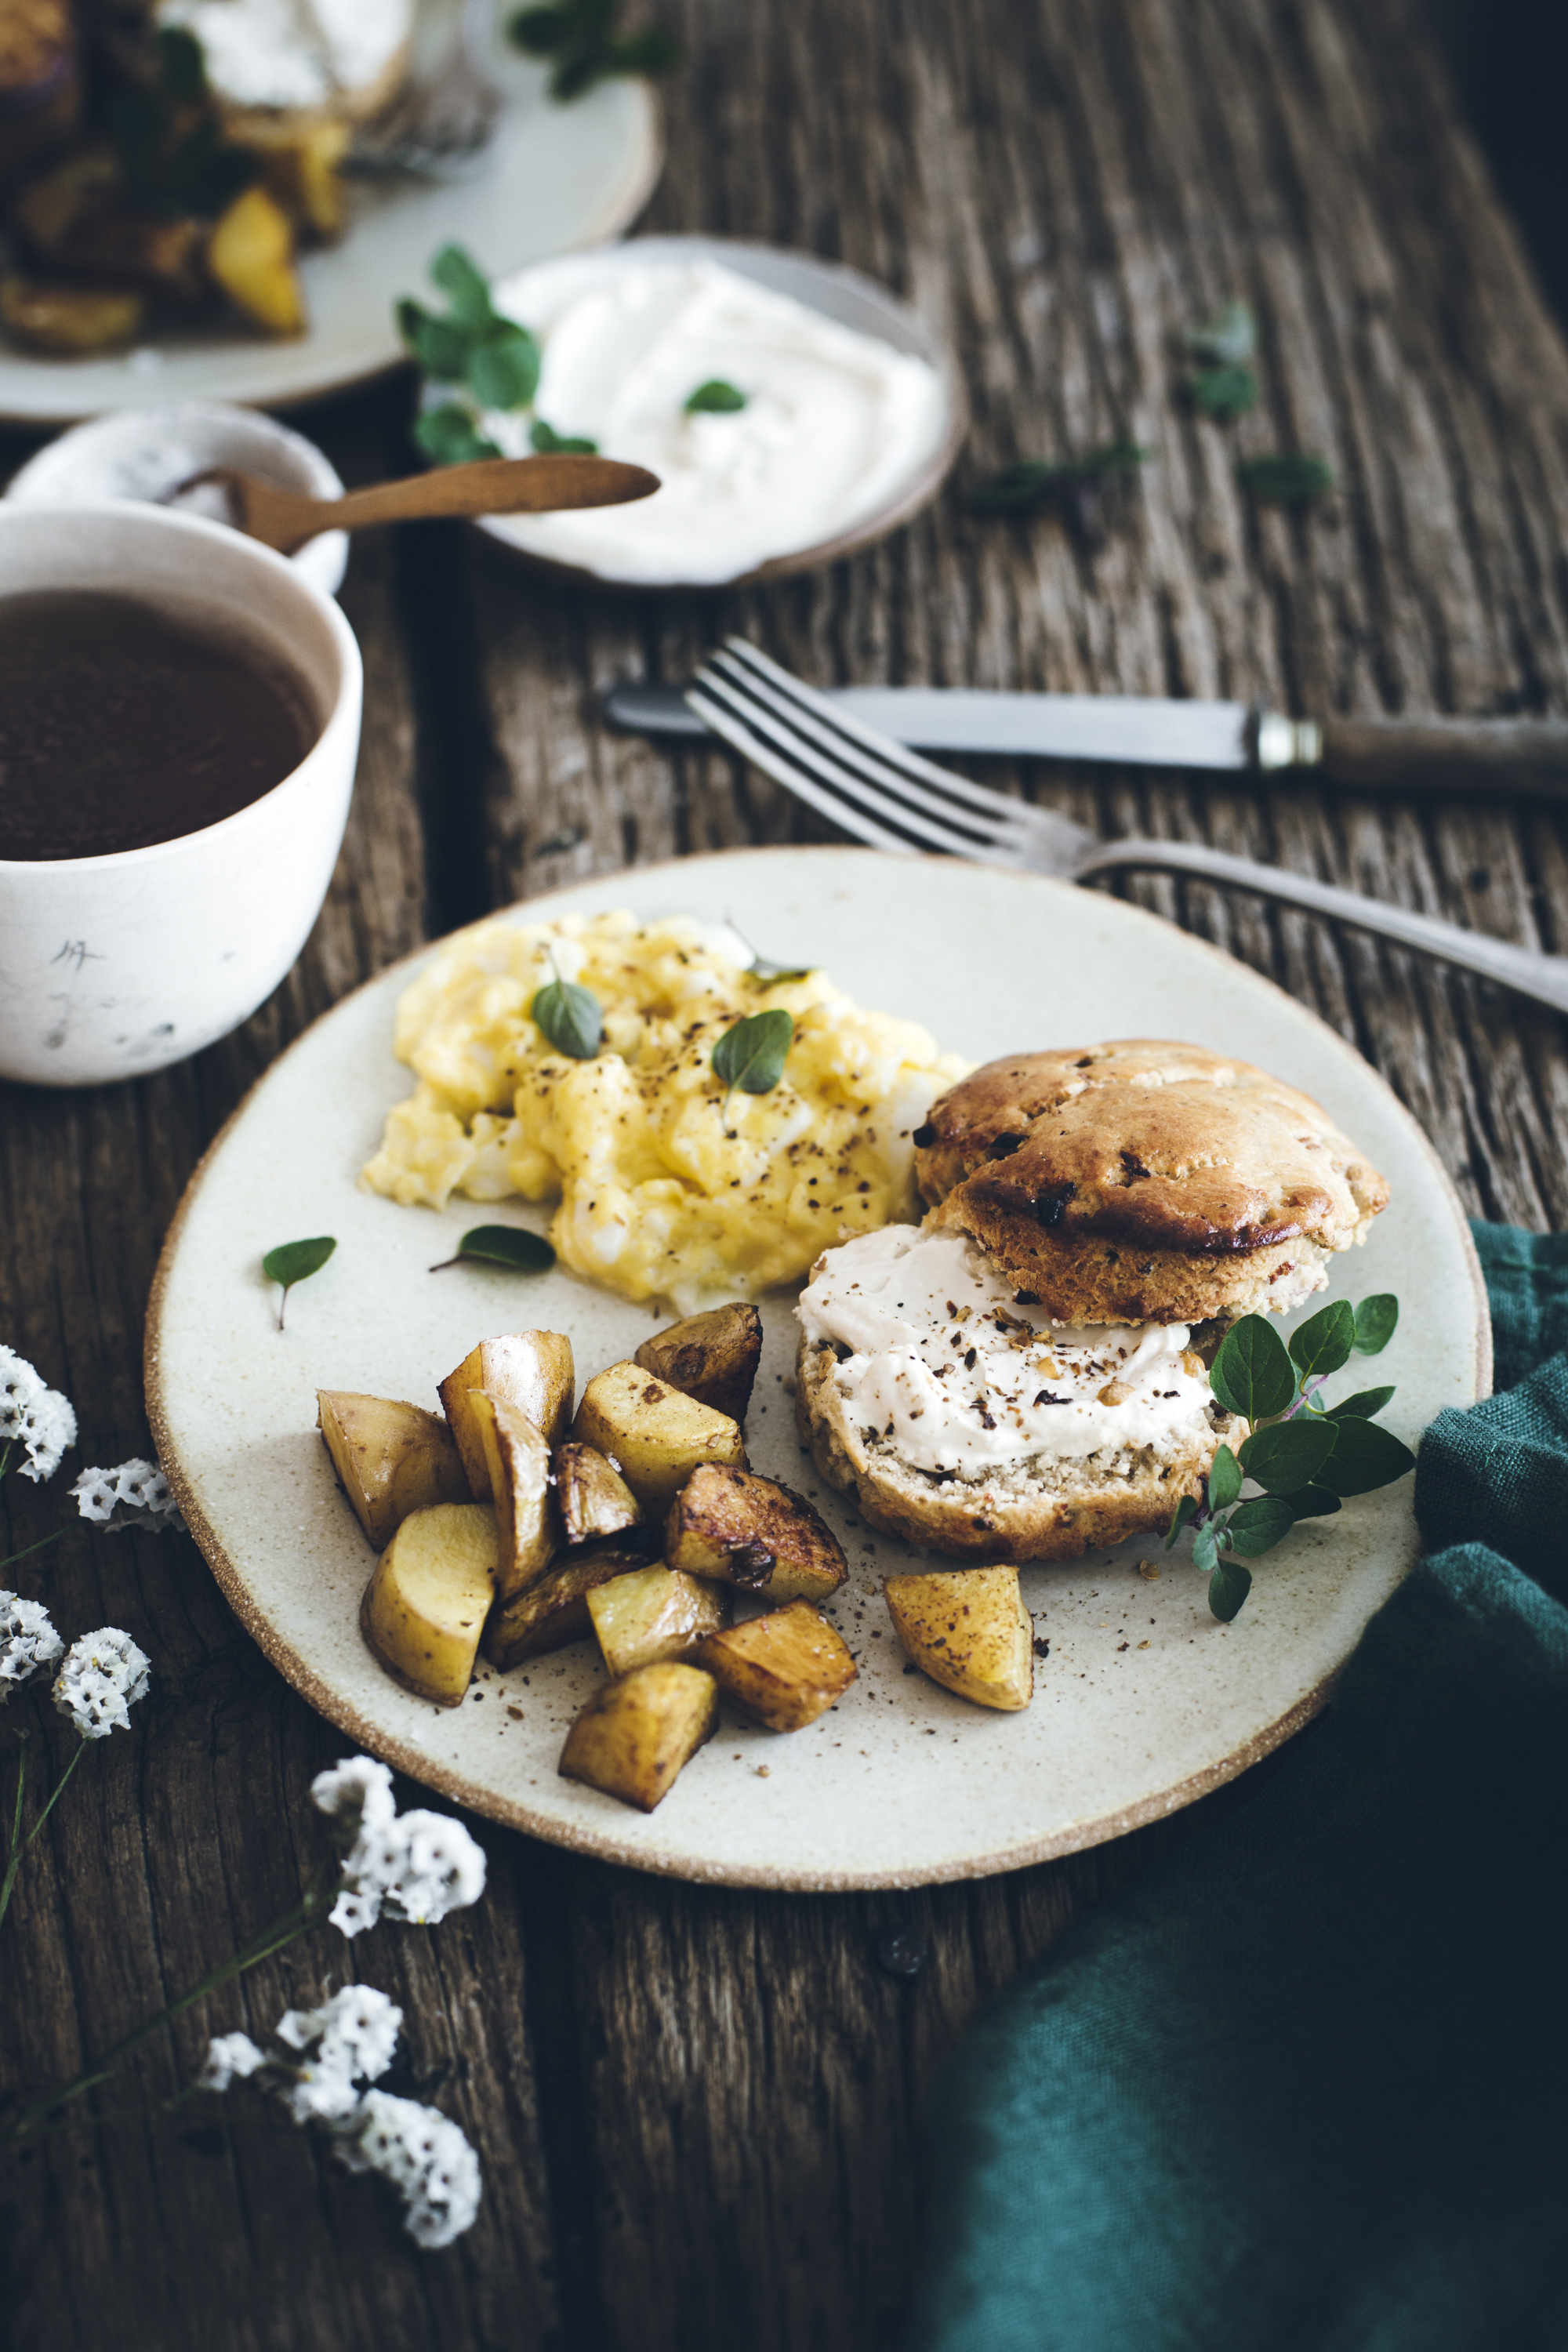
(1448, 755)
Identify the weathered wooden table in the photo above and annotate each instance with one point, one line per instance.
(698, 2110)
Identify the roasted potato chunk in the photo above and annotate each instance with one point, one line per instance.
(532, 1370)
(251, 256)
(595, 1501)
(517, 1462)
(634, 1736)
(391, 1458)
(967, 1629)
(654, 1613)
(549, 1614)
(751, 1531)
(785, 1668)
(652, 1434)
(69, 320)
(77, 218)
(429, 1596)
(711, 1357)
(300, 155)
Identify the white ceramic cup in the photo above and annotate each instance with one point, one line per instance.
(113, 966)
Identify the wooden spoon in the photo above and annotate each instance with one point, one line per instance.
(285, 519)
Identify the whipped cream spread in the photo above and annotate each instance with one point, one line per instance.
(833, 421)
(293, 53)
(959, 1375)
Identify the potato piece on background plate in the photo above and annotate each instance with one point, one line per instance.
(429, 1593)
(634, 1736)
(517, 1462)
(251, 256)
(532, 1370)
(711, 1356)
(652, 1434)
(391, 1458)
(300, 154)
(654, 1613)
(785, 1668)
(67, 321)
(968, 1629)
(752, 1531)
(555, 1611)
(595, 1501)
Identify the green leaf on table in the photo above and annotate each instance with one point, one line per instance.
(510, 1246)
(1251, 1374)
(503, 370)
(1375, 1321)
(580, 35)
(1324, 1343)
(1031, 483)
(751, 1055)
(1205, 1550)
(1284, 480)
(450, 436)
(1288, 1453)
(1257, 1526)
(1228, 1588)
(1228, 340)
(1223, 393)
(1313, 1503)
(1364, 1405)
(1186, 1509)
(1224, 1480)
(293, 1262)
(465, 284)
(651, 53)
(1365, 1456)
(716, 398)
(571, 1018)
(551, 444)
(439, 345)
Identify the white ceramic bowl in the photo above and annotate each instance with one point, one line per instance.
(112, 966)
(146, 453)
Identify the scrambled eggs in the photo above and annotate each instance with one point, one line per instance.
(666, 1190)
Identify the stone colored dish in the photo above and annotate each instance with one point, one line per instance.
(903, 1784)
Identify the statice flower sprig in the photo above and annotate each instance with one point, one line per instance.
(1306, 1457)
(100, 1679)
(33, 1416)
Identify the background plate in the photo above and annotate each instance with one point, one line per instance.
(554, 177)
(902, 1783)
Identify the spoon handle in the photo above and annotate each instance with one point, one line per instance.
(487, 486)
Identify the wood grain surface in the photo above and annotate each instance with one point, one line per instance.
(698, 2111)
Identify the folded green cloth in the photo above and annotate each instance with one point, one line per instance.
(1307, 2085)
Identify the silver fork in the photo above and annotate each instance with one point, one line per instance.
(886, 795)
(441, 120)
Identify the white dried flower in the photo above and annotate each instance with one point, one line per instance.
(34, 1416)
(416, 1867)
(103, 1676)
(136, 1494)
(356, 2031)
(356, 1794)
(424, 2155)
(354, 1912)
(229, 2059)
(27, 1639)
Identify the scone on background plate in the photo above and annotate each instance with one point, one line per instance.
(1024, 1377)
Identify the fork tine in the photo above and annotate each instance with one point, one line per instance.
(890, 753)
(796, 780)
(802, 757)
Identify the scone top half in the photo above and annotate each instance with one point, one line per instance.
(1143, 1182)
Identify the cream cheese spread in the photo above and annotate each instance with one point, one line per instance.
(294, 53)
(833, 423)
(961, 1376)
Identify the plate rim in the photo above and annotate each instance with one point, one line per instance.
(602, 1843)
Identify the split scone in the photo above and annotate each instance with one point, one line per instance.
(1024, 1376)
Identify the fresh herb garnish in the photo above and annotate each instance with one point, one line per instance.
(570, 1017)
(1306, 1458)
(581, 38)
(293, 1262)
(715, 398)
(751, 1055)
(471, 347)
(508, 1245)
(551, 444)
(1223, 393)
(1288, 481)
(450, 436)
(1074, 487)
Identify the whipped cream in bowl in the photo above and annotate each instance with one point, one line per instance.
(850, 413)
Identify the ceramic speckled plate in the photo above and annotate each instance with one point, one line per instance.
(1143, 1702)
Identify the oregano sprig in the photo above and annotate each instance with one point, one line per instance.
(751, 1055)
(490, 361)
(580, 40)
(293, 1262)
(1306, 1457)
(570, 1017)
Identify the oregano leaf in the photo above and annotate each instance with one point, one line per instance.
(715, 398)
(1228, 1588)
(465, 284)
(510, 1246)
(1257, 1526)
(1365, 1456)
(1186, 1509)
(1364, 1405)
(449, 435)
(439, 345)
(1224, 1480)
(503, 370)
(293, 1262)
(1284, 480)
(1223, 393)
(1206, 1548)
(1324, 1343)
(1251, 1374)
(570, 1017)
(1288, 1453)
(1313, 1502)
(1376, 1319)
(551, 444)
(751, 1055)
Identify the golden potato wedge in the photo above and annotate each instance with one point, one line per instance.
(654, 1613)
(785, 1668)
(532, 1370)
(517, 1462)
(651, 1434)
(634, 1736)
(251, 256)
(967, 1629)
(391, 1458)
(751, 1531)
(429, 1596)
(69, 320)
(549, 1614)
(711, 1357)
(595, 1501)
(300, 155)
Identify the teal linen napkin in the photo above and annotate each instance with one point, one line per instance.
(1306, 2088)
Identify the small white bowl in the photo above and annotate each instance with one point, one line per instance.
(146, 453)
(116, 965)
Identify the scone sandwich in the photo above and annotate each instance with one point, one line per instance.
(1024, 1376)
